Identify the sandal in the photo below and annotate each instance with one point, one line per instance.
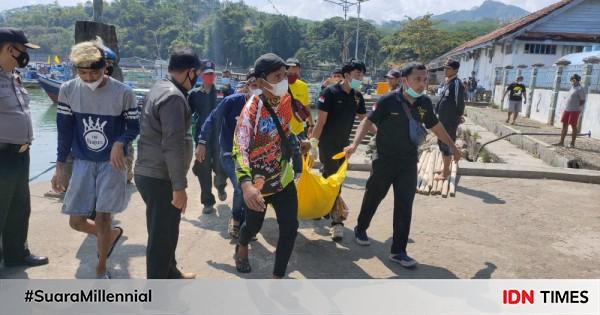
(114, 243)
(242, 265)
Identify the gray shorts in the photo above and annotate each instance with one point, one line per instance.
(95, 186)
(515, 106)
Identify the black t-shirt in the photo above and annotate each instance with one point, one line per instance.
(393, 140)
(341, 108)
(452, 103)
(516, 91)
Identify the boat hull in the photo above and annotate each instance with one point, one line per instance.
(51, 87)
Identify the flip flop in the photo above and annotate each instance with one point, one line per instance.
(114, 243)
(242, 265)
(440, 177)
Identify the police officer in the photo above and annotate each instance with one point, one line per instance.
(450, 109)
(16, 134)
(396, 158)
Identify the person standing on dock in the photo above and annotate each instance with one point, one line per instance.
(339, 105)
(396, 160)
(574, 107)
(165, 153)
(450, 110)
(203, 100)
(16, 135)
(516, 99)
(97, 117)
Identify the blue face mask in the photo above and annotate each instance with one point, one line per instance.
(355, 84)
(225, 81)
(412, 93)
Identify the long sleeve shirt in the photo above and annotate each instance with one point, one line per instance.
(225, 115)
(90, 122)
(257, 148)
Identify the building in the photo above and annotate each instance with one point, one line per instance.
(542, 37)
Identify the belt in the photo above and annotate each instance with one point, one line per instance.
(9, 147)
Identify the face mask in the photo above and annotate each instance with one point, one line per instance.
(292, 78)
(412, 93)
(355, 84)
(192, 80)
(225, 81)
(255, 92)
(280, 88)
(208, 79)
(110, 70)
(94, 85)
(22, 59)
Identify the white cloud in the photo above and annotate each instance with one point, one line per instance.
(378, 10)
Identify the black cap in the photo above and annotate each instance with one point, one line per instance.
(452, 64)
(208, 66)
(393, 74)
(293, 62)
(268, 63)
(13, 35)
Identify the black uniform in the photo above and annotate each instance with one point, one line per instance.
(450, 108)
(342, 109)
(395, 163)
(202, 103)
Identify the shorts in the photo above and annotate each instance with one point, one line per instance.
(451, 130)
(515, 106)
(571, 118)
(95, 186)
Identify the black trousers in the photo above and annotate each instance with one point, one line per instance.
(162, 222)
(204, 170)
(15, 204)
(403, 176)
(285, 204)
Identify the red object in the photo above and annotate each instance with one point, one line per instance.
(570, 118)
(208, 78)
(292, 78)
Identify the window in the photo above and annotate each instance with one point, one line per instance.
(572, 49)
(508, 49)
(540, 49)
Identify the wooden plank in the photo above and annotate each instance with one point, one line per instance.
(453, 179)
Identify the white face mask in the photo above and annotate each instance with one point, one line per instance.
(280, 88)
(255, 92)
(93, 85)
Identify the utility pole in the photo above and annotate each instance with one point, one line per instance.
(346, 5)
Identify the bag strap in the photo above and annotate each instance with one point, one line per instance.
(404, 106)
(286, 150)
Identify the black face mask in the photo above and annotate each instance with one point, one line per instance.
(22, 59)
(110, 70)
(193, 80)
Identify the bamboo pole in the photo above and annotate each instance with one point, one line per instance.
(432, 163)
(422, 169)
(438, 165)
(453, 179)
(446, 185)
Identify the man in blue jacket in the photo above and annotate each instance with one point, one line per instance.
(222, 120)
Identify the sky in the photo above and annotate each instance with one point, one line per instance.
(377, 10)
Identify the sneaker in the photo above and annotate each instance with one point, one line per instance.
(222, 195)
(361, 237)
(337, 232)
(403, 259)
(208, 209)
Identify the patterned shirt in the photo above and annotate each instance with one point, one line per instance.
(257, 147)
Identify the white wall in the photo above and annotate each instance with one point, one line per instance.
(498, 94)
(591, 115)
(541, 105)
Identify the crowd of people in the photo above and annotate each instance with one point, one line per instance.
(254, 137)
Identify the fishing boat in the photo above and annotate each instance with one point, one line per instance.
(50, 86)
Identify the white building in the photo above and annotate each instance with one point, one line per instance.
(542, 37)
